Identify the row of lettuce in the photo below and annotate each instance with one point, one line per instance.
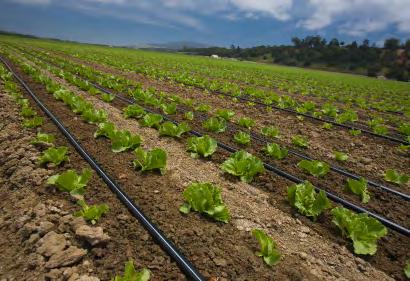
(68, 181)
(255, 79)
(217, 124)
(327, 111)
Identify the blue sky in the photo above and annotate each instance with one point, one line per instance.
(216, 22)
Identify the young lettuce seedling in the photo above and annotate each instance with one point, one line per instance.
(268, 248)
(130, 274)
(205, 198)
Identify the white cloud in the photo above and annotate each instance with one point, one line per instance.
(358, 17)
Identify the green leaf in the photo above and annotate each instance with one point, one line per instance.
(354, 132)
(43, 138)
(27, 111)
(306, 200)
(133, 111)
(242, 138)
(203, 146)
(274, 150)
(105, 129)
(315, 167)
(225, 114)
(151, 120)
(246, 122)
(203, 108)
(169, 108)
(91, 213)
(329, 110)
(359, 187)
(156, 159)
(214, 124)
(407, 269)
(107, 97)
(70, 181)
(205, 198)
(404, 128)
(300, 141)
(172, 130)
(130, 274)
(189, 115)
(55, 155)
(347, 116)
(363, 230)
(270, 132)
(124, 140)
(94, 116)
(393, 176)
(33, 122)
(268, 248)
(327, 126)
(340, 156)
(243, 165)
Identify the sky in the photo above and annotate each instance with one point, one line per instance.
(212, 22)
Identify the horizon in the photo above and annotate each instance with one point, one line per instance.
(213, 23)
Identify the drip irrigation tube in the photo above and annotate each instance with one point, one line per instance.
(184, 264)
(392, 225)
(297, 154)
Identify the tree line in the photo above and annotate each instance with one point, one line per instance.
(391, 61)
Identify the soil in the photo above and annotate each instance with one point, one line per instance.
(161, 196)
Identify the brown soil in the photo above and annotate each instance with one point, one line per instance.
(267, 181)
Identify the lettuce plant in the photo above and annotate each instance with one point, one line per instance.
(396, 177)
(55, 155)
(354, 132)
(107, 97)
(363, 230)
(151, 120)
(347, 116)
(340, 156)
(246, 122)
(172, 130)
(359, 187)
(169, 108)
(70, 181)
(203, 108)
(156, 159)
(327, 126)
(314, 167)
(94, 116)
(225, 114)
(270, 132)
(33, 122)
(203, 146)
(243, 165)
(124, 140)
(329, 110)
(380, 129)
(300, 141)
(268, 248)
(189, 115)
(205, 198)
(133, 111)
(274, 150)
(91, 213)
(43, 138)
(242, 138)
(407, 269)
(306, 200)
(404, 129)
(214, 124)
(130, 274)
(105, 129)
(27, 111)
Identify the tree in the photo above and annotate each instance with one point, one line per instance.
(296, 42)
(392, 44)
